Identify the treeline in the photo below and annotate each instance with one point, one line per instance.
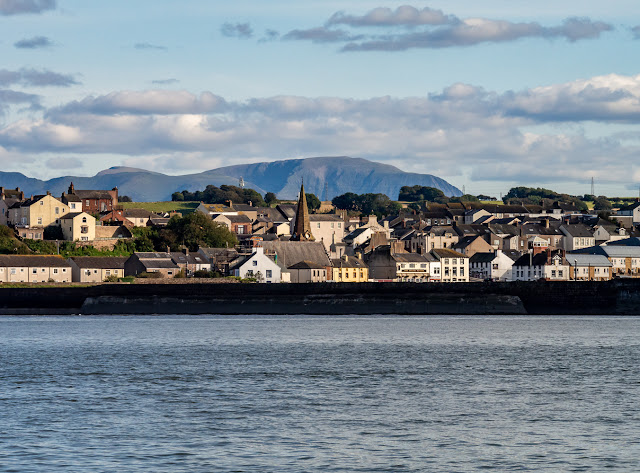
(192, 231)
(431, 194)
(377, 204)
(220, 195)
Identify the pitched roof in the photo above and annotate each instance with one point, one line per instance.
(102, 262)
(447, 253)
(31, 261)
(306, 265)
(587, 260)
(93, 194)
(351, 262)
(409, 258)
(292, 252)
(578, 230)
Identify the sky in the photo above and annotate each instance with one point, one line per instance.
(487, 95)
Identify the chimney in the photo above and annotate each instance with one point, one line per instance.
(48, 192)
(250, 204)
(345, 257)
(546, 223)
(230, 204)
(185, 250)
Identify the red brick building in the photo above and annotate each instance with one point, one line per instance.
(90, 201)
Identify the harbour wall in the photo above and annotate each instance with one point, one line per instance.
(617, 297)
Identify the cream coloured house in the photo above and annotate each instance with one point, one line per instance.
(20, 268)
(78, 226)
(96, 268)
(39, 210)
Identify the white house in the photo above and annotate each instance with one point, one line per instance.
(259, 266)
(495, 266)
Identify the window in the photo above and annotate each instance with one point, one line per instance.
(255, 262)
(84, 219)
(559, 273)
(332, 225)
(73, 206)
(461, 271)
(57, 210)
(318, 224)
(34, 270)
(13, 270)
(41, 202)
(55, 270)
(339, 225)
(494, 265)
(39, 220)
(268, 273)
(553, 273)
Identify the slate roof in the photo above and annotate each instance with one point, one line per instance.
(482, 257)
(440, 253)
(578, 230)
(409, 258)
(325, 218)
(238, 218)
(352, 262)
(292, 252)
(92, 194)
(31, 261)
(588, 260)
(99, 262)
(306, 265)
(70, 216)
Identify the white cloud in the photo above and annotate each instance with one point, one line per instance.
(462, 128)
(17, 7)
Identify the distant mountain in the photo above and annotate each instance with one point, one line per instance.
(340, 174)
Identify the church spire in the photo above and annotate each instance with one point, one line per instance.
(302, 227)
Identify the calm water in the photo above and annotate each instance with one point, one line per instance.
(319, 394)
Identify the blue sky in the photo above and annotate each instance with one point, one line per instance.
(487, 95)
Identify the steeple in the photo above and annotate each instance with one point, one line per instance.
(302, 227)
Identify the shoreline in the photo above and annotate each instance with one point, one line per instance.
(617, 297)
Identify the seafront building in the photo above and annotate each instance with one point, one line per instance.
(447, 243)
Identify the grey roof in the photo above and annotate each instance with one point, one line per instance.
(440, 253)
(101, 262)
(306, 265)
(356, 233)
(578, 230)
(158, 264)
(587, 260)
(292, 252)
(409, 258)
(93, 194)
(238, 218)
(325, 218)
(71, 215)
(482, 257)
(30, 261)
(191, 258)
(351, 262)
(617, 251)
(71, 198)
(632, 241)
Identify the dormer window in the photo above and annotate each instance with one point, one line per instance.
(84, 219)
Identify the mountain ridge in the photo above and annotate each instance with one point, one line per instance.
(340, 173)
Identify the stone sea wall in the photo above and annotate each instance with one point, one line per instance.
(581, 298)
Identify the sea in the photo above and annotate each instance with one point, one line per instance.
(319, 394)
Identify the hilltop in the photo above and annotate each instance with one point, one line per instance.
(341, 174)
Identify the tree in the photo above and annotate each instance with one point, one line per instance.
(270, 198)
(378, 204)
(124, 198)
(421, 193)
(313, 203)
(197, 229)
(177, 196)
(602, 203)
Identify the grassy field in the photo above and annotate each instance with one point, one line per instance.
(183, 207)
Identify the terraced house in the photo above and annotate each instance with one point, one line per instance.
(34, 269)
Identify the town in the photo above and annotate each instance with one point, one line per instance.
(448, 241)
